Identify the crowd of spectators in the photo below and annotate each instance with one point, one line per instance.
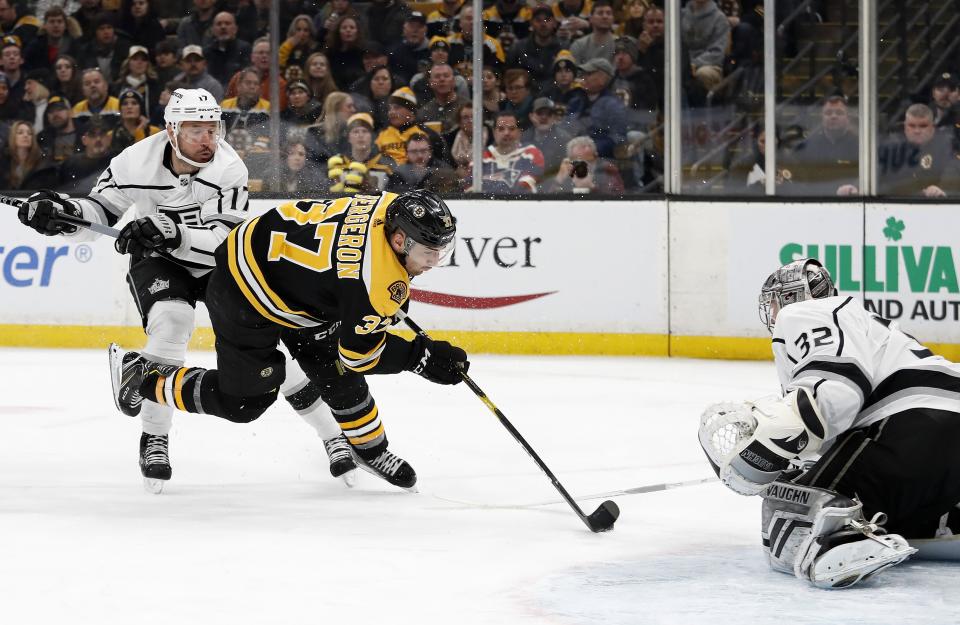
(376, 94)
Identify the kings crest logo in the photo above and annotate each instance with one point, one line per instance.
(398, 291)
(158, 285)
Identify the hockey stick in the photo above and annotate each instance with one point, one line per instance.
(601, 519)
(637, 490)
(18, 203)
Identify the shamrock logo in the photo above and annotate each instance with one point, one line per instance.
(894, 229)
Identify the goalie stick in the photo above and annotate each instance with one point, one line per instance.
(601, 519)
(14, 202)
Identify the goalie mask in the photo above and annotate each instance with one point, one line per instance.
(794, 282)
(428, 224)
(194, 105)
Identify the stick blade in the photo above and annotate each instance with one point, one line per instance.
(603, 518)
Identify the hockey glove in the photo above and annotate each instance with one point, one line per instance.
(149, 234)
(438, 361)
(41, 212)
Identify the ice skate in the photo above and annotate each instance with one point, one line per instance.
(154, 461)
(342, 464)
(391, 468)
(127, 370)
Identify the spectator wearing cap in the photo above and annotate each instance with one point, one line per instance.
(565, 90)
(79, 173)
(602, 176)
(509, 166)
(226, 55)
(67, 81)
(134, 124)
(36, 91)
(442, 21)
(373, 94)
(107, 49)
(23, 166)
(194, 72)
(52, 41)
(59, 139)
(385, 19)
(140, 21)
(601, 115)
(97, 102)
(378, 168)
(705, 32)
(137, 72)
(599, 43)
(507, 17)
(165, 61)
(439, 55)
(24, 27)
(374, 55)
(247, 111)
(300, 43)
(260, 58)
(461, 42)
(302, 110)
(407, 55)
(632, 85)
(537, 52)
(344, 48)
(440, 113)
(195, 28)
(392, 140)
(944, 94)
(547, 133)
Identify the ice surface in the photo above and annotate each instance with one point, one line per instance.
(253, 530)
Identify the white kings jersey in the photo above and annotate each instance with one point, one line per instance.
(208, 203)
(859, 367)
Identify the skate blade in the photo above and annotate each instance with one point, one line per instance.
(153, 485)
(350, 478)
(115, 355)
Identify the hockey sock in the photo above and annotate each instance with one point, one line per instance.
(361, 424)
(175, 387)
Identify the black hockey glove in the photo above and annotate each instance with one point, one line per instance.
(438, 361)
(148, 234)
(41, 212)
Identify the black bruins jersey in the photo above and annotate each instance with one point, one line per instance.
(309, 263)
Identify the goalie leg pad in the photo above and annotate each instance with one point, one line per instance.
(822, 536)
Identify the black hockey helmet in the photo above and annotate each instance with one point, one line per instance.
(424, 217)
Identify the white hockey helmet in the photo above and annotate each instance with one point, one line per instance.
(800, 280)
(192, 105)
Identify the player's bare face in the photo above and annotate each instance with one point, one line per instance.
(198, 140)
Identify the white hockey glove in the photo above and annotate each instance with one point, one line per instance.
(148, 234)
(749, 444)
(42, 209)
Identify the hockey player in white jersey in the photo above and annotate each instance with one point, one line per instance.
(189, 189)
(871, 415)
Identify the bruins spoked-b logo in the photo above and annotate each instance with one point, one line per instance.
(419, 211)
(398, 291)
(926, 161)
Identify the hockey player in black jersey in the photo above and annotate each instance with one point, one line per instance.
(327, 278)
(870, 414)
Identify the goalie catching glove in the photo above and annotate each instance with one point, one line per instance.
(43, 212)
(749, 444)
(438, 361)
(153, 233)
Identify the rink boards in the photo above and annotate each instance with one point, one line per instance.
(620, 277)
